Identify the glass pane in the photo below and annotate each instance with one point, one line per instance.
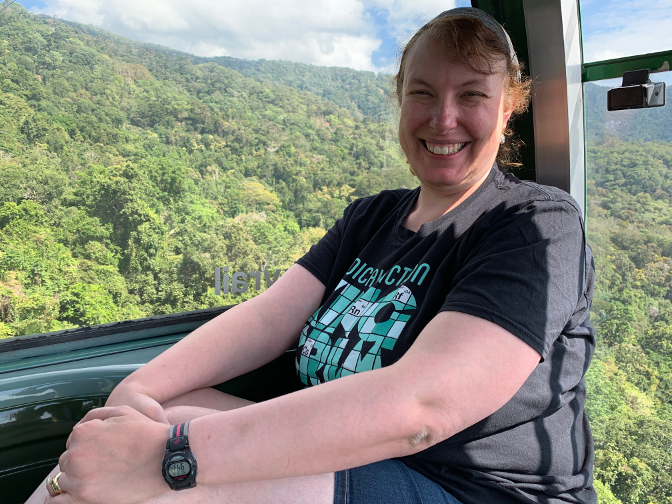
(136, 180)
(617, 28)
(629, 161)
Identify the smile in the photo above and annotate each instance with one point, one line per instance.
(444, 150)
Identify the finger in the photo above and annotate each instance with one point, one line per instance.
(61, 482)
(64, 498)
(50, 489)
(105, 413)
(158, 414)
(163, 418)
(63, 460)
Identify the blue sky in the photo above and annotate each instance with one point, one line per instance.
(387, 34)
(617, 28)
(362, 34)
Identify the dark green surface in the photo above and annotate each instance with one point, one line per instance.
(512, 17)
(33, 435)
(73, 356)
(43, 396)
(614, 68)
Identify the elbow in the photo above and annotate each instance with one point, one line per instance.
(432, 426)
(422, 439)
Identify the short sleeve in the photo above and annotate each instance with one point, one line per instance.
(321, 257)
(525, 273)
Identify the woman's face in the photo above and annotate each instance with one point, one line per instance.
(452, 118)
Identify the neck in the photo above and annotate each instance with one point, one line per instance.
(432, 204)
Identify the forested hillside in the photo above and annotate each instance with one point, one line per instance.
(363, 93)
(127, 175)
(630, 379)
(654, 124)
(128, 172)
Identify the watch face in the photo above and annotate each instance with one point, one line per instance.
(179, 469)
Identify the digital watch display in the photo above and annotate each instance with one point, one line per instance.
(179, 467)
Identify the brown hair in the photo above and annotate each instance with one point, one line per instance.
(469, 41)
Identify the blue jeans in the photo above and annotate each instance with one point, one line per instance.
(387, 482)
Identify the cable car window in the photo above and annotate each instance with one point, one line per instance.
(629, 208)
(138, 180)
(618, 28)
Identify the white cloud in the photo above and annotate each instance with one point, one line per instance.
(322, 32)
(606, 55)
(626, 27)
(406, 16)
(81, 11)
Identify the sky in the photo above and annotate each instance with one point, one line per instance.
(617, 28)
(360, 34)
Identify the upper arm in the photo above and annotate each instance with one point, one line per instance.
(290, 301)
(269, 323)
(521, 285)
(462, 369)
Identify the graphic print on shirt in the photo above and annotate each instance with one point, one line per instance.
(349, 335)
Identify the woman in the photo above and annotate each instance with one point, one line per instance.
(466, 301)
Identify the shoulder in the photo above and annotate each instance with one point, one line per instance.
(524, 195)
(382, 203)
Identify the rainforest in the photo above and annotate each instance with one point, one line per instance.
(130, 173)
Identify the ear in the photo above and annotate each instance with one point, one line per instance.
(508, 110)
(509, 104)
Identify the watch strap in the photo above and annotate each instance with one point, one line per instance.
(178, 439)
(179, 430)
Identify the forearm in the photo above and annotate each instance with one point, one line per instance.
(234, 343)
(459, 370)
(448, 380)
(348, 422)
(240, 340)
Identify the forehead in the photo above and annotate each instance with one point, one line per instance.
(428, 59)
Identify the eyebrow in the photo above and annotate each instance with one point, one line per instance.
(422, 82)
(477, 80)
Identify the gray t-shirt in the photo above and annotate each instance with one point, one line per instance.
(513, 253)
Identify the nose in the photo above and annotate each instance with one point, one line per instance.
(444, 116)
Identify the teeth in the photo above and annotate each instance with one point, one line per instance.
(445, 149)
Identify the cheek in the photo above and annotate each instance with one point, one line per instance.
(405, 130)
(490, 125)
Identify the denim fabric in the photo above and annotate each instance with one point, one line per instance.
(387, 482)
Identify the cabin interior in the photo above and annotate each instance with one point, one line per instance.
(49, 380)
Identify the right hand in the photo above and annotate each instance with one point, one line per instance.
(139, 401)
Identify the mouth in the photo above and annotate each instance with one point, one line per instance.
(444, 149)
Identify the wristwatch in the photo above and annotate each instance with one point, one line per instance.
(179, 466)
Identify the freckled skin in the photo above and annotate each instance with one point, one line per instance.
(447, 102)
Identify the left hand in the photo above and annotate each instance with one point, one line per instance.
(113, 456)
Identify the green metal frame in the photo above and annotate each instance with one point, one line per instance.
(614, 68)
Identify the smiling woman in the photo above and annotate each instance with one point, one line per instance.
(441, 356)
(454, 116)
(452, 119)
